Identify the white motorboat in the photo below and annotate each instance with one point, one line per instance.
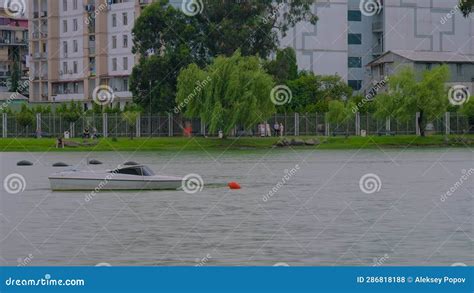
(138, 177)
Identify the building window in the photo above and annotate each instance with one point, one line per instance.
(355, 84)
(75, 46)
(355, 62)
(65, 48)
(74, 4)
(114, 64)
(459, 69)
(75, 66)
(65, 67)
(65, 26)
(114, 42)
(428, 66)
(355, 39)
(114, 20)
(125, 18)
(76, 87)
(125, 85)
(354, 15)
(64, 5)
(74, 24)
(125, 63)
(125, 41)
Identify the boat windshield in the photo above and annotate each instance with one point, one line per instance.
(137, 171)
(147, 171)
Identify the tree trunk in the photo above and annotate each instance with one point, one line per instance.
(421, 124)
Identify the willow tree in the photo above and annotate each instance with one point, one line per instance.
(411, 92)
(231, 91)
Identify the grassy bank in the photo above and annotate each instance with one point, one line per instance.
(210, 144)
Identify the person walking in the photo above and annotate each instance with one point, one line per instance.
(282, 130)
(276, 128)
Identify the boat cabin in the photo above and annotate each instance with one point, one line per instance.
(134, 170)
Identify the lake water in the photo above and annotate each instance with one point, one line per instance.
(319, 216)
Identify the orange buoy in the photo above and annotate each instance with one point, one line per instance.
(234, 185)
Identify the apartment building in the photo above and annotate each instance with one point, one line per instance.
(79, 45)
(13, 45)
(351, 34)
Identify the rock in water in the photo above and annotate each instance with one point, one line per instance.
(24, 163)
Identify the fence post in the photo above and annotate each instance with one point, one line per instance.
(388, 125)
(105, 125)
(4, 125)
(170, 124)
(417, 126)
(327, 126)
(357, 124)
(297, 124)
(38, 125)
(138, 126)
(447, 123)
(72, 129)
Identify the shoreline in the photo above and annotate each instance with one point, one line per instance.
(245, 143)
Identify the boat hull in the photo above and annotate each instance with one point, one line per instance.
(83, 184)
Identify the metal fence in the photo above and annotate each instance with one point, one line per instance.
(112, 125)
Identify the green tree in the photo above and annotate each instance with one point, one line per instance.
(71, 112)
(130, 116)
(284, 68)
(466, 6)
(168, 40)
(15, 78)
(25, 117)
(231, 91)
(340, 113)
(410, 93)
(312, 93)
(468, 110)
(153, 82)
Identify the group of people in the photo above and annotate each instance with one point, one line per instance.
(265, 131)
(87, 134)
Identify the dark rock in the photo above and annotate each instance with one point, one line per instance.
(297, 142)
(24, 163)
(131, 163)
(60, 164)
(95, 162)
